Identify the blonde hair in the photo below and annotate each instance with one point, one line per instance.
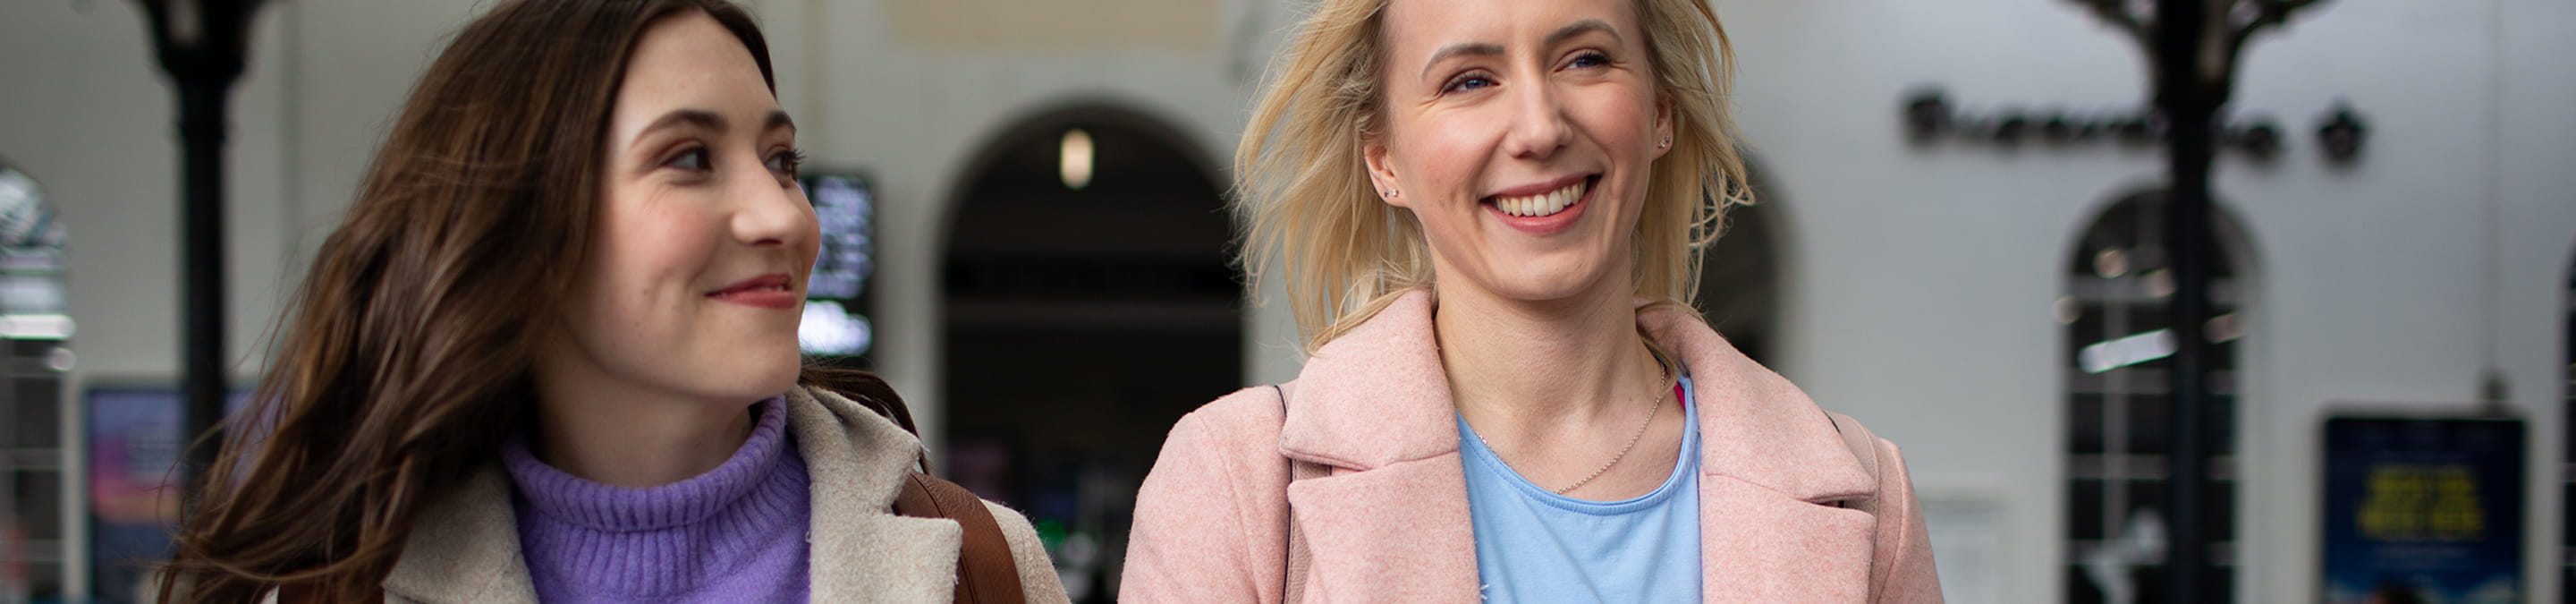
(1303, 198)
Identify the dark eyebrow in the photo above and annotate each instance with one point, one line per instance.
(694, 117)
(1583, 27)
(1468, 48)
(712, 121)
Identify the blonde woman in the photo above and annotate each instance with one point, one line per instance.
(1489, 214)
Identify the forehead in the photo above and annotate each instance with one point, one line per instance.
(1414, 28)
(690, 60)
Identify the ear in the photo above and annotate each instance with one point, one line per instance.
(1663, 125)
(1381, 171)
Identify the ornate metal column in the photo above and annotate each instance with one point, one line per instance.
(203, 46)
(2192, 49)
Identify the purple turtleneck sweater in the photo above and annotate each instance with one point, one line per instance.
(734, 534)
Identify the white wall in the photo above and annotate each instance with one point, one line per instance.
(1918, 279)
(1919, 300)
(2533, 244)
(326, 79)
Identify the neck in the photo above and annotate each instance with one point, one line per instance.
(604, 431)
(1519, 369)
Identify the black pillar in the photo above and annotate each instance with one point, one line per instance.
(201, 252)
(202, 46)
(2190, 98)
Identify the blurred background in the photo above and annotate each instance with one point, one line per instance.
(1961, 240)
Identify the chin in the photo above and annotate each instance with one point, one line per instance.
(1544, 281)
(759, 376)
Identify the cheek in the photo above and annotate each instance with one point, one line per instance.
(1440, 155)
(1622, 119)
(812, 246)
(653, 253)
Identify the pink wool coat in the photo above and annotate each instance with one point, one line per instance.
(1788, 512)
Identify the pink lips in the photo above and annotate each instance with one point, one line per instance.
(773, 291)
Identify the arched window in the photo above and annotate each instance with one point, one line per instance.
(2118, 348)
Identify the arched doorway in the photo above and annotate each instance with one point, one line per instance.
(1089, 305)
(2118, 344)
(1739, 283)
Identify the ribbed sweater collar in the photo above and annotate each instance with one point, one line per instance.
(706, 532)
(571, 499)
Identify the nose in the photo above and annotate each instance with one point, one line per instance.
(1538, 124)
(767, 214)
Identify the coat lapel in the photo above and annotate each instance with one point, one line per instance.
(1391, 523)
(1773, 470)
(862, 551)
(465, 548)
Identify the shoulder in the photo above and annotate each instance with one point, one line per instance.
(1238, 430)
(1210, 517)
(1038, 581)
(1902, 568)
(1247, 412)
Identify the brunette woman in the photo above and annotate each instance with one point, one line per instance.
(550, 354)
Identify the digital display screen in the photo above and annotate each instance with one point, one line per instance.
(836, 294)
(2423, 510)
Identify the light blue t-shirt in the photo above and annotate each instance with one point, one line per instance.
(1533, 545)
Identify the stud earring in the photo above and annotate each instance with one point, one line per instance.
(1392, 192)
(1668, 142)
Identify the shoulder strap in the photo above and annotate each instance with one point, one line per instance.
(986, 574)
(1293, 582)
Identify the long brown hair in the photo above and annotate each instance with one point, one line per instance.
(403, 361)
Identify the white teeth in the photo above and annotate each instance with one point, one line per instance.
(1542, 204)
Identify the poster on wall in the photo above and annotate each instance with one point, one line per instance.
(135, 441)
(2423, 510)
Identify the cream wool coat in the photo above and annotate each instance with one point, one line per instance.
(1390, 522)
(466, 546)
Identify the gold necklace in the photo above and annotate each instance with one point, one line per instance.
(1664, 379)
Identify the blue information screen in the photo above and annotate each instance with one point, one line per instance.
(2423, 510)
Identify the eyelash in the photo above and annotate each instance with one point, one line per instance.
(1458, 84)
(788, 160)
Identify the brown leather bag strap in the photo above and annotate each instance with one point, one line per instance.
(986, 573)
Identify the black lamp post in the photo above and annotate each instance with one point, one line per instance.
(203, 46)
(2193, 48)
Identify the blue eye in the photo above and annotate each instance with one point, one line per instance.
(1467, 83)
(1589, 59)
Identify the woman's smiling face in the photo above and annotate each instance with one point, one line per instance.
(1521, 134)
(694, 278)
